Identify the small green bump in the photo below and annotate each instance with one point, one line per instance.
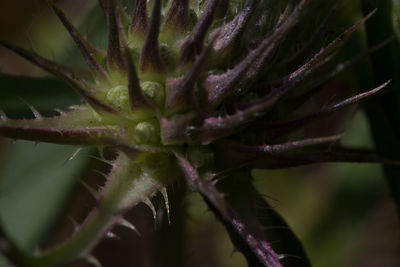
(200, 156)
(154, 91)
(118, 97)
(145, 133)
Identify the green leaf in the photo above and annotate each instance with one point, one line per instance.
(33, 194)
(18, 91)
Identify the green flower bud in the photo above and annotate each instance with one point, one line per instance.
(118, 97)
(154, 91)
(145, 133)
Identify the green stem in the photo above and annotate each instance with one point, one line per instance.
(126, 186)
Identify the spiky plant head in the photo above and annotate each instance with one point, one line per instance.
(189, 89)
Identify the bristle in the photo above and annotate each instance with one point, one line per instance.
(150, 59)
(279, 148)
(259, 65)
(3, 116)
(232, 155)
(35, 112)
(101, 159)
(213, 128)
(193, 44)
(300, 55)
(152, 208)
(137, 99)
(93, 261)
(121, 17)
(87, 51)
(111, 235)
(256, 243)
(350, 62)
(30, 130)
(75, 153)
(178, 16)
(124, 17)
(294, 124)
(93, 192)
(307, 68)
(64, 74)
(115, 58)
(102, 174)
(139, 19)
(218, 87)
(74, 223)
(231, 32)
(164, 193)
(125, 223)
(181, 92)
(60, 111)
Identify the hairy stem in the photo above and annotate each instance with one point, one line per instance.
(126, 186)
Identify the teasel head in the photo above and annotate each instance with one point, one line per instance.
(192, 91)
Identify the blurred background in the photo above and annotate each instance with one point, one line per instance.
(343, 213)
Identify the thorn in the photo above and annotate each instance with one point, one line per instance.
(64, 74)
(3, 115)
(139, 18)
(60, 112)
(91, 190)
(74, 223)
(151, 206)
(232, 31)
(35, 112)
(164, 193)
(125, 223)
(100, 149)
(114, 52)
(85, 48)
(278, 148)
(194, 42)
(150, 58)
(298, 122)
(111, 235)
(220, 86)
(178, 16)
(137, 99)
(109, 162)
(75, 153)
(122, 20)
(309, 67)
(92, 260)
(101, 173)
(181, 91)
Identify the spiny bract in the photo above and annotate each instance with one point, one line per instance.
(187, 89)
